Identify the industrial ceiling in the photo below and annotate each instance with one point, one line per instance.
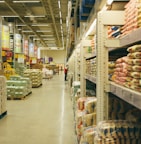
(42, 20)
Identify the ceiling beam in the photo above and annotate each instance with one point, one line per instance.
(22, 20)
(48, 3)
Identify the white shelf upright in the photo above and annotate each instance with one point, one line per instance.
(104, 19)
(84, 43)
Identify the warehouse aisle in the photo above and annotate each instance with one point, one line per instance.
(45, 117)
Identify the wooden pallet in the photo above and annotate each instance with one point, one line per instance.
(3, 114)
(37, 86)
(19, 98)
(16, 98)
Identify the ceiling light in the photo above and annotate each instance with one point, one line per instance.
(59, 4)
(60, 14)
(10, 16)
(35, 16)
(20, 25)
(39, 24)
(109, 2)
(2, 1)
(60, 21)
(43, 31)
(36, 1)
(49, 39)
(46, 35)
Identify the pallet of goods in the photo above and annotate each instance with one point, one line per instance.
(3, 97)
(18, 87)
(35, 75)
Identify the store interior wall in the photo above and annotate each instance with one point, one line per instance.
(58, 56)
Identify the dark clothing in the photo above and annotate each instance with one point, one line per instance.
(65, 72)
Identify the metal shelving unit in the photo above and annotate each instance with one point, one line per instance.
(104, 46)
(104, 19)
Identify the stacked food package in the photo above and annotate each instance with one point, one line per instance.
(120, 110)
(85, 118)
(3, 96)
(132, 16)
(35, 75)
(88, 135)
(118, 132)
(134, 68)
(20, 68)
(91, 67)
(120, 75)
(18, 87)
(111, 68)
(114, 31)
(8, 70)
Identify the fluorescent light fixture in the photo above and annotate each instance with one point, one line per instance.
(2, 1)
(10, 16)
(60, 14)
(35, 16)
(91, 28)
(20, 25)
(46, 35)
(43, 31)
(35, 1)
(49, 39)
(39, 25)
(26, 31)
(59, 4)
(60, 21)
(109, 2)
(36, 39)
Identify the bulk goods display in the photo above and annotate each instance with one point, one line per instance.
(35, 75)
(18, 87)
(115, 71)
(3, 97)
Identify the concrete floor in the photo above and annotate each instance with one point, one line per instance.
(44, 117)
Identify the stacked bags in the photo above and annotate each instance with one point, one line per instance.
(114, 31)
(128, 69)
(134, 69)
(120, 75)
(35, 75)
(120, 110)
(132, 16)
(85, 118)
(118, 132)
(91, 67)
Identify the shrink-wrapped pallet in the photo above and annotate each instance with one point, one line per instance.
(3, 95)
(35, 75)
(18, 87)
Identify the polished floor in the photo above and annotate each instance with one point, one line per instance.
(44, 117)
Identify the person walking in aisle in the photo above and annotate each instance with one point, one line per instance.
(66, 72)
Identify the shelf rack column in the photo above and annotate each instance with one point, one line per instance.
(84, 43)
(104, 18)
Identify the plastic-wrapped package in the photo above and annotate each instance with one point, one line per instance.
(133, 115)
(135, 55)
(135, 48)
(90, 105)
(119, 129)
(134, 61)
(88, 135)
(136, 75)
(89, 119)
(122, 60)
(79, 123)
(81, 103)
